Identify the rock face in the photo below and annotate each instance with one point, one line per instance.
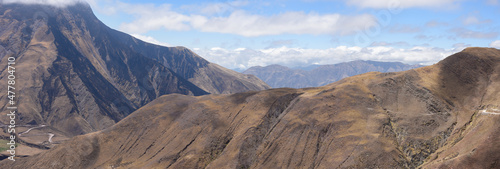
(280, 76)
(77, 75)
(440, 116)
(208, 76)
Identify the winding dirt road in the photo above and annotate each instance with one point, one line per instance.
(50, 137)
(27, 131)
(490, 113)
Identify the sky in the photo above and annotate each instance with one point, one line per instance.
(296, 33)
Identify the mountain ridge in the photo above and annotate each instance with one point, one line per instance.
(194, 68)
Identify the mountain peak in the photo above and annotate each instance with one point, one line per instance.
(482, 51)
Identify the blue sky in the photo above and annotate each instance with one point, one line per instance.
(245, 33)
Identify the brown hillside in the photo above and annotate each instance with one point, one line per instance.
(440, 116)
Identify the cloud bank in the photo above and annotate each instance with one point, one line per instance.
(249, 25)
(149, 17)
(243, 58)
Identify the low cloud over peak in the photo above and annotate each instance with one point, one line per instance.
(57, 3)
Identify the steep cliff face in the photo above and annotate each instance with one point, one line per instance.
(438, 116)
(72, 74)
(208, 76)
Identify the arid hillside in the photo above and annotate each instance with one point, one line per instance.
(441, 116)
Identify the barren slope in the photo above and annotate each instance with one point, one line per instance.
(428, 117)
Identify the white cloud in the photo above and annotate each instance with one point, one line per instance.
(473, 20)
(404, 29)
(215, 8)
(466, 33)
(495, 44)
(150, 39)
(278, 43)
(461, 45)
(152, 17)
(293, 57)
(382, 43)
(435, 24)
(242, 23)
(492, 2)
(57, 3)
(401, 4)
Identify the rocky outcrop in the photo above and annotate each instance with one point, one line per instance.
(440, 116)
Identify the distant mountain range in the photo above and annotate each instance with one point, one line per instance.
(313, 76)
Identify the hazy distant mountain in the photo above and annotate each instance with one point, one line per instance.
(441, 116)
(76, 75)
(313, 76)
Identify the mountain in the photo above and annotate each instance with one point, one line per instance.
(72, 75)
(440, 116)
(314, 76)
(76, 75)
(208, 76)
